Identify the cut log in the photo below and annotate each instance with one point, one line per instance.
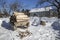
(17, 13)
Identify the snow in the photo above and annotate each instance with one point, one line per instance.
(40, 9)
(34, 21)
(0, 22)
(48, 32)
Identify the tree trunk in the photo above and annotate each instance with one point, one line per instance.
(58, 13)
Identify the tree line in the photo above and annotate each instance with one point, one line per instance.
(6, 8)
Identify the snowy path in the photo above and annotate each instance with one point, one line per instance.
(39, 32)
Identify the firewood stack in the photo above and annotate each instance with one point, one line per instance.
(21, 24)
(19, 20)
(21, 17)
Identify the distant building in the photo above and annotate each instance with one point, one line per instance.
(46, 11)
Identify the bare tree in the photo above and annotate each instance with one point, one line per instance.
(3, 5)
(15, 6)
(26, 12)
(55, 3)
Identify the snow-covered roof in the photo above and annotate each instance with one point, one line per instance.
(40, 9)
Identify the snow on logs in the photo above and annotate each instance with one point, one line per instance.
(17, 13)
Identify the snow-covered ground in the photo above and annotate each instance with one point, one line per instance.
(48, 32)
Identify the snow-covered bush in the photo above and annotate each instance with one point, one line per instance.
(0, 22)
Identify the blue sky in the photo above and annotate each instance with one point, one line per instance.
(27, 4)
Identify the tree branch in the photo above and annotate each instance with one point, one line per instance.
(53, 4)
(57, 2)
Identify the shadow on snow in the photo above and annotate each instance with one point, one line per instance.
(6, 25)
